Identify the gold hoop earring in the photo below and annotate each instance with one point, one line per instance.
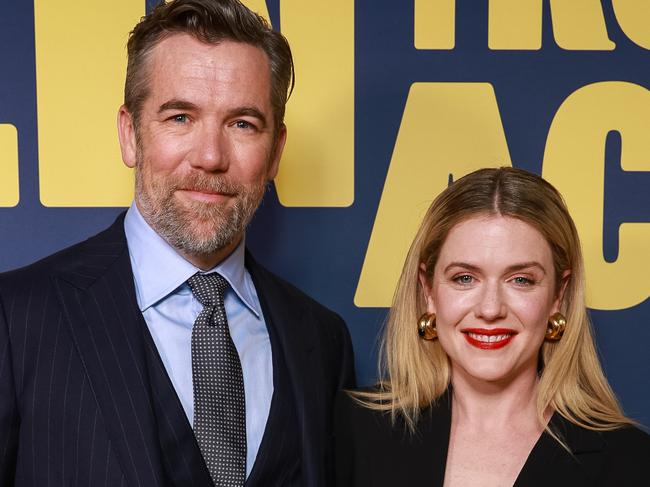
(427, 326)
(556, 326)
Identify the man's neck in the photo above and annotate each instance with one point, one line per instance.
(205, 262)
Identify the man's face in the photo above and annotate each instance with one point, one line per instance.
(205, 145)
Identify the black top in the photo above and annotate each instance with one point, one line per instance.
(371, 451)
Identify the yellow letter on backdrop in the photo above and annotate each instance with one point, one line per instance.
(574, 163)
(577, 25)
(580, 25)
(515, 24)
(318, 164)
(317, 167)
(80, 68)
(634, 18)
(435, 24)
(9, 189)
(447, 129)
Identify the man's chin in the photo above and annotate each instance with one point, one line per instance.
(206, 229)
(200, 209)
(193, 198)
(198, 228)
(205, 245)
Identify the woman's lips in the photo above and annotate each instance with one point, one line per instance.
(488, 338)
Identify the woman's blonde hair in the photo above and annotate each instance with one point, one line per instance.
(416, 372)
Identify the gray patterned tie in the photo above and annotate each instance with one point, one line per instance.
(219, 407)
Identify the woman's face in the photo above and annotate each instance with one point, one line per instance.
(493, 291)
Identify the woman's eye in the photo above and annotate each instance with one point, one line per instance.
(464, 279)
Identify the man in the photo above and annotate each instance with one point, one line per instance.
(159, 352)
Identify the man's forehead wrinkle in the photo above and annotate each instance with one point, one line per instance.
(200, 76)
(200, 59)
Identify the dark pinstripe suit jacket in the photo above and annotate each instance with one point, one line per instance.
(76, 402)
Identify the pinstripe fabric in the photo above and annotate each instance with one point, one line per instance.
(51, 428)
(76, 401)
(318, 355)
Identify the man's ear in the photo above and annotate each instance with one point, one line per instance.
(426, 285)
(276, 155)
(126, 134)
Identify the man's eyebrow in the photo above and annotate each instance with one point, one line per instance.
(248, 111)
(177, 105)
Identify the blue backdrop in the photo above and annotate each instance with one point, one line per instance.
(322, 248)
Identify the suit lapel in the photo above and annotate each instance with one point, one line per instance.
(98, 298)
(297, 339)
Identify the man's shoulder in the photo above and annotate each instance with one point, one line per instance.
(272, 286)
(102, 247)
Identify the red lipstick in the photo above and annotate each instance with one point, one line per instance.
(488, 338)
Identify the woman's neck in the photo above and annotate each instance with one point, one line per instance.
(494, 427)
(490, 405)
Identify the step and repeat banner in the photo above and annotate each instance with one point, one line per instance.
(393, 100)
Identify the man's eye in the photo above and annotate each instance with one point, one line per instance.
(522, 281)
(182, 118)
(243, 124)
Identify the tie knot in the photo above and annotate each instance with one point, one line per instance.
(208, 288)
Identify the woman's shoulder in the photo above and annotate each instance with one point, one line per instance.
(628, 441)
(361, 412)
(625, 441)
(375, 447)
(613, 457)
(362, 440)
(626, 455)
(353, 411)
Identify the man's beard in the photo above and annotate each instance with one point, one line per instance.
(195, 227)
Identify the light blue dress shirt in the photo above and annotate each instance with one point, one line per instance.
(170, 309)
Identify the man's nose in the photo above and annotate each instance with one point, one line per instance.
(211, 151)
(491, 305)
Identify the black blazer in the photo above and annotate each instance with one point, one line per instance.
(372, 452)
(75, 388)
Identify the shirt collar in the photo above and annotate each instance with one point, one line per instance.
(159, 270)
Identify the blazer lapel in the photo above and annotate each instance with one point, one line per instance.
(297, 338)
(549, 463)
(436, 429)
(98, 299)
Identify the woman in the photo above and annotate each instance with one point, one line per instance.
(491, 376)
